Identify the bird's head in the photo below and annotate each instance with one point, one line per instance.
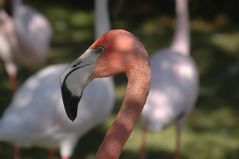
(105, 57)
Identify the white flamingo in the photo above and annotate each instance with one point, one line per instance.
(36, 115)
(116, 51)
(24, 36)
(91, 115)
(174, 85)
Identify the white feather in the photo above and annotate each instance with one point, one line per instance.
(36, 115)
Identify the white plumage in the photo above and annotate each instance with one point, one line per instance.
(174, 85)
(174, 88)
(24, 36)
(36, 115)
(102, 20)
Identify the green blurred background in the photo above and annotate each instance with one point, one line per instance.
(212, 130)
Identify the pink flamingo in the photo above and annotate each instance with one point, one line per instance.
(24, 36)
(117, 51)
(174, 85)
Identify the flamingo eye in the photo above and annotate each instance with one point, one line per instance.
(100, 50)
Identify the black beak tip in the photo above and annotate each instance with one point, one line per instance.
(70, 102)
(71, 105)
(71, 112)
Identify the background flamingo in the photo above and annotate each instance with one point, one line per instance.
(24, 36)
(28, 124)
(117, 51)
(102, 13)
(36, 116)
(174, 85)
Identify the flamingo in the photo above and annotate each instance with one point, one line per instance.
(174, 85)
(36, 115)
(116, 51)
(24, 36)
(64, 141)
(55, 137)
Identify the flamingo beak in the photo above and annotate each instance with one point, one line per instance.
(75, 78)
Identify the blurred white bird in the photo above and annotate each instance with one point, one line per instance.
(36, 115)
(174, 85)
(40, 118)
(24, 36)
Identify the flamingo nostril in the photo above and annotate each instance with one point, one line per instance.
(76, 64)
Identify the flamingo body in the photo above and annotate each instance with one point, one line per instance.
(26, 34)
(36, 114)
(58, 132)
(33, 36)
(174, 88)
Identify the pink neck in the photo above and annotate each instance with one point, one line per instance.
(136, 95)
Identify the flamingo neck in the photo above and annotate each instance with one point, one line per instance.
(181, 38)
(136, 94)
(16, 6)
(102, 22)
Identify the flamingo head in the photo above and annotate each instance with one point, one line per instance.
(105, 57)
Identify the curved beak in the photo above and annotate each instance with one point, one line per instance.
(75, 78)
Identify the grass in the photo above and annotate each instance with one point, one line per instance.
(212, 129)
